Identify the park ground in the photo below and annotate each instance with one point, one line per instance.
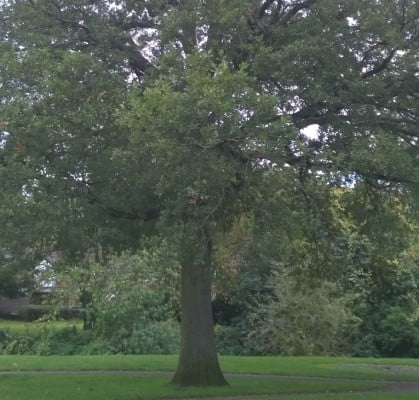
(252, 378)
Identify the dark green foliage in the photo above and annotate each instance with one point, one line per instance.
(157, 338)
(301, 319)
(34, 312)
(134, 307)
(397, 332)
(341, 240)
(46, 341)
(231, 339)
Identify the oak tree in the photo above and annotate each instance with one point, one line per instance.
(168, 117)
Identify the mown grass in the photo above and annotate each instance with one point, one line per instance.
(96, 387)
(348, 396)
(338, 367)
(36, 327)
(24, 386)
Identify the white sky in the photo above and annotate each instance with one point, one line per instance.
(311, 131)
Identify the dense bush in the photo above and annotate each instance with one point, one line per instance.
(300, 319)
(161, 337)
(45, 341)
(133, 307)
(18, 344)
(158, 338)
(398, 333)
(230, 339)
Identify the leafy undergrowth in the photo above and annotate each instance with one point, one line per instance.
(96, 387)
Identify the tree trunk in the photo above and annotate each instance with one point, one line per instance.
(198, 361)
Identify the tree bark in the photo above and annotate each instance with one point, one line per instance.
(198, 362)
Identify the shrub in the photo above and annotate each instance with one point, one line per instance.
(19, 345)
(134, 303)
(301, 319)
(398, 332)
(46, 341)
(230, 339)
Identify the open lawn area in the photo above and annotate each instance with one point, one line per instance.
(138, 377)
(28, 327)
(392, 369)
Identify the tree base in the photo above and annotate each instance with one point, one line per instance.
(202, 378)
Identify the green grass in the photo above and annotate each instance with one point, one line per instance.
(338, 367)
(86, 363)
(129, 387)
(35, 327)
(348, 396)
(357, 368)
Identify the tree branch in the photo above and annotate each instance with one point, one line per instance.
(145, 216)
(380, 67)
(314, 114)
(264, 8)
(297, 8)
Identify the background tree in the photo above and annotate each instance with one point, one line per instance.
(170, 118)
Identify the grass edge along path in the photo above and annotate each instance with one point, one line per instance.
(383, 385)
(137, 377)
(334, 367)
(125, 387)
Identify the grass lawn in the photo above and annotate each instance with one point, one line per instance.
(338, 367)
(350, 396)
(28, 327)
(95, 387)
(23, 386)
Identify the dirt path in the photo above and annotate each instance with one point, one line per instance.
(387, 386)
